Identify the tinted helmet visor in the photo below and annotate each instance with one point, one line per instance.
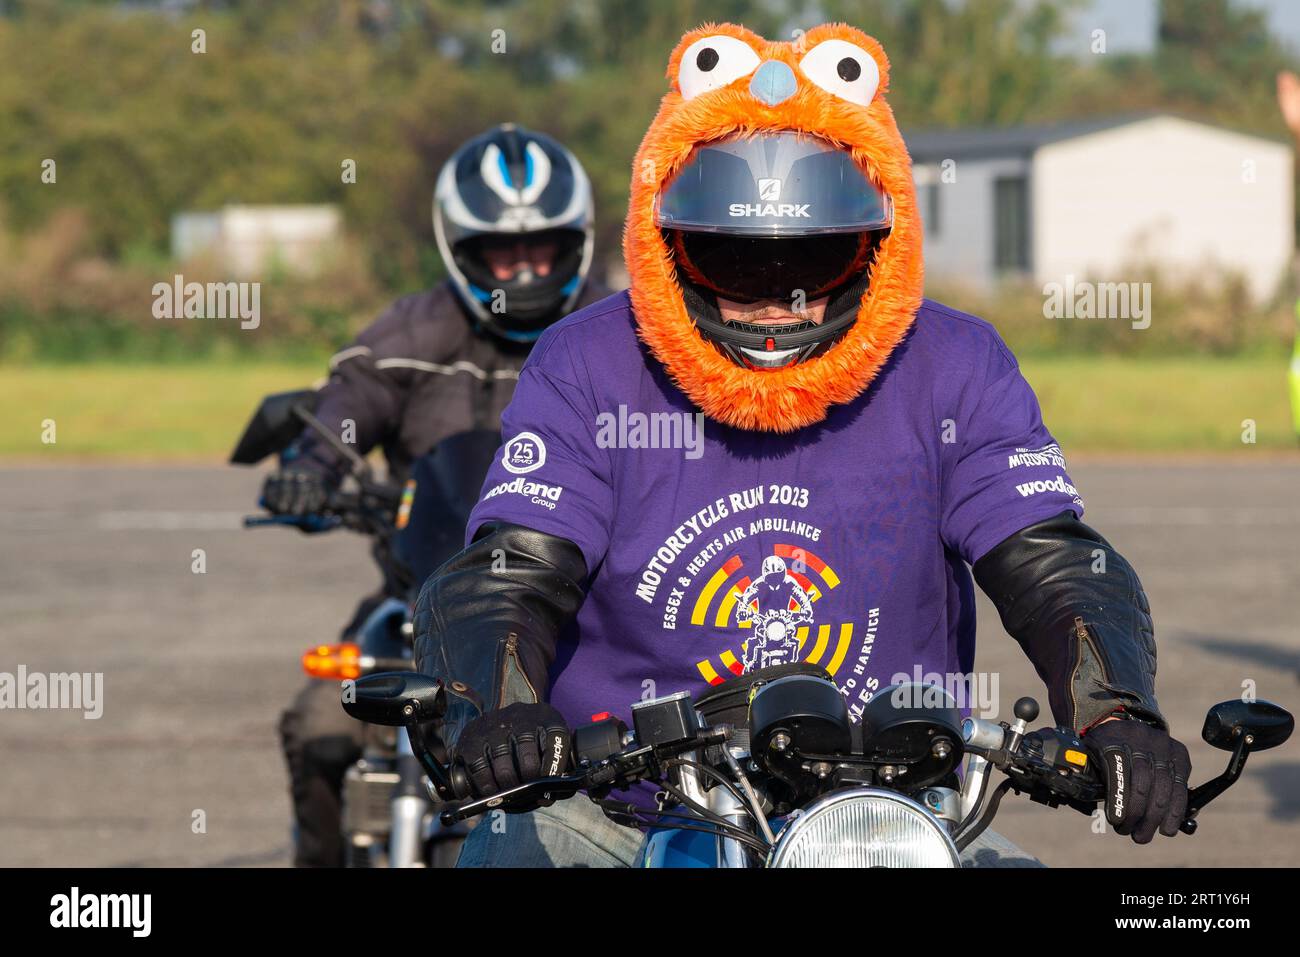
(531, 300)
(744, 269)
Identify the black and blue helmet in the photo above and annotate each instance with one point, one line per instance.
(513, 182)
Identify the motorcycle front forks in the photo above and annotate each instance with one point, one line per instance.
(405, 840)
(719, 800)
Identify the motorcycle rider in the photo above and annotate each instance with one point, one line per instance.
(889, 441)
(775, 603)
(512, 215)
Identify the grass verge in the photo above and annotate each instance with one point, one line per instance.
(195, 412)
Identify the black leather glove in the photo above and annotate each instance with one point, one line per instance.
(1146, 775)
(296, 491)
(513, 745)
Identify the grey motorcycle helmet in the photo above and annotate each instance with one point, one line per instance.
(513, 182)
(782, 216)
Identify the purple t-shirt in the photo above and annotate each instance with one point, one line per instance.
(843, 544)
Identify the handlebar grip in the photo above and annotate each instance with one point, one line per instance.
(458, 778)
(338, 501)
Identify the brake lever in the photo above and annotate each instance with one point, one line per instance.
(1042, 781)
(1087, 790)
(626, 764)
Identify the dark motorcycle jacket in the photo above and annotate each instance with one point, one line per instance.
(421, 372)
(487, 622)
(1079, 612)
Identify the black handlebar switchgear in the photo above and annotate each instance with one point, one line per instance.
(1058, 761)
(597, 741)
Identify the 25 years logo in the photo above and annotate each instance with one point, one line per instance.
(526, 452)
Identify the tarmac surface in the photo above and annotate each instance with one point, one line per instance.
(96, 575)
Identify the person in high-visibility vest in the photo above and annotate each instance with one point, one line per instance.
(1294, 375)
(1288, 99)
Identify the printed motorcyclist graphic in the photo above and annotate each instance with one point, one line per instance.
(750, 620)
(776, 605)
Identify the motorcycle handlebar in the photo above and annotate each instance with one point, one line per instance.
(621, 769)
(364, 511)
(307, 523)
(1051, 771)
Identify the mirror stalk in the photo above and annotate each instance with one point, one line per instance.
(1205, 793)
(359, 466)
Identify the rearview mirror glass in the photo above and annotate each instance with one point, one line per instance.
(273, 426)
(395, 698)
(1267, 723)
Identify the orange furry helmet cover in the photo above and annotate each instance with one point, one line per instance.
(789, 398)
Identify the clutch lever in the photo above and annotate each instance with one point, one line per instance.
(617, 771)
(541, 791)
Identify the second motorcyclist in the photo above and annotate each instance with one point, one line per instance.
(513, 220)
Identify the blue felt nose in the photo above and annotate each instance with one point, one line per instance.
(773, 82)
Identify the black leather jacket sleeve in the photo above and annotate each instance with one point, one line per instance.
(487, 620)
(1078, 610)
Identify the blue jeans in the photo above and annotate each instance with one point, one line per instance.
(576, 833)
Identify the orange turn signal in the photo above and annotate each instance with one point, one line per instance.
(333, 662)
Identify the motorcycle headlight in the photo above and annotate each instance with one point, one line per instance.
(864, 827)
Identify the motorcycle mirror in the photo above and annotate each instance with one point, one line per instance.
(394, 698)
(1267, 724)
(273, 426)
